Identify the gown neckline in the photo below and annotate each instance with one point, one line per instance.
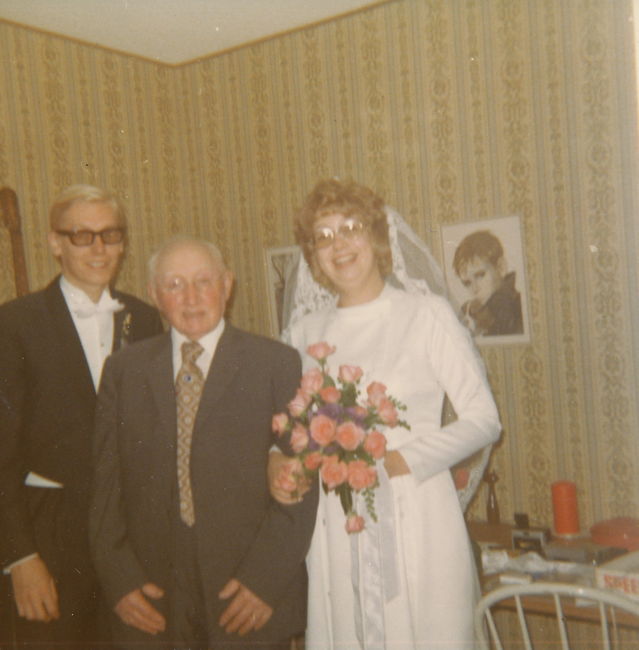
(372, 305)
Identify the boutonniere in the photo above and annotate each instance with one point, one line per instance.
(125, 332)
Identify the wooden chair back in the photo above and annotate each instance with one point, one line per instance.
(608, 610)
(10, 219)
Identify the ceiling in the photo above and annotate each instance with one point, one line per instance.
(173, 31)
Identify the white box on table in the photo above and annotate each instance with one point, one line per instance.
(620, 574)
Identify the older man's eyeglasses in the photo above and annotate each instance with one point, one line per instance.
(108, 236)
(177, 285)
(324, 236)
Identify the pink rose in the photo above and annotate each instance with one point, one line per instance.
(359, 411)
(287, 476)
(461, 477)
(375, 444)
(322, 429)
(349, 435)
(299, 403)
(376, 392)
(387, 412)
(299, 438)
(361, 475)
(279, 423)
(320, 351)
(333, 472)
(313, 460)
(312, 381)
(350, 374)
(354, 523)
(330, 394)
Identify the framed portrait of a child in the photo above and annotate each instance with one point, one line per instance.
(486, 276)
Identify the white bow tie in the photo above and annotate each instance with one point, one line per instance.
(107, 305)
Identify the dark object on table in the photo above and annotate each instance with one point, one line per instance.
(531, 539)
(581, 550)
(492, 507)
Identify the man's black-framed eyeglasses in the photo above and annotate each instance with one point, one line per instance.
(87, 237)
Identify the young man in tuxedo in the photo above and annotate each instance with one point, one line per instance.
(53, 344)
(190, 549)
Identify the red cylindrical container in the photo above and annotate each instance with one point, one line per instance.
(564, 506)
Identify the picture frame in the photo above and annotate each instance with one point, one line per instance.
(280, 262)
(491, 292)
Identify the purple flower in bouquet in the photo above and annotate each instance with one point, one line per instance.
(333, 431)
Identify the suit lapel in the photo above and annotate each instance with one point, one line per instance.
(70, 346)
(160, 377)
(162, 425)
(224, 366)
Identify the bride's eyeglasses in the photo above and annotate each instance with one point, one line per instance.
(351, 229)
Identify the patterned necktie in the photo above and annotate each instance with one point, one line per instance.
(188, 389)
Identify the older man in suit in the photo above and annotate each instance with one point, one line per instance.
(52, 347)
(190, 549)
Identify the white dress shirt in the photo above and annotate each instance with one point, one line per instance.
(209, 342)
(94, 324)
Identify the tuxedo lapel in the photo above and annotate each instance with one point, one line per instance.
(224, 366)
(69, 344)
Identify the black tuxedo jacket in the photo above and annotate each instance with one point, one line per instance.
(241, 532)
(47, 405)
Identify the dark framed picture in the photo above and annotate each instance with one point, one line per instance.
(279, 264)
(486, 276)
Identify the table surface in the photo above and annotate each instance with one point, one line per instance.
(501, 534)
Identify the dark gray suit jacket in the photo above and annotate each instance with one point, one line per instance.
(241, 532)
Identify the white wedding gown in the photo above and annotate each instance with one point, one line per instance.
(424, 571)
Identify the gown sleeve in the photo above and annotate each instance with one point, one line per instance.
(446, 350)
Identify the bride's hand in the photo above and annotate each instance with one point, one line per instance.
(286, 478)
(395, 464)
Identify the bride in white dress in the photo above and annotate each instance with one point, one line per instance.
(407, 581)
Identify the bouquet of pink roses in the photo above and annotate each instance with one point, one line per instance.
(332, 431)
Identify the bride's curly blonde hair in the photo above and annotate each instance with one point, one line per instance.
(350, 199)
